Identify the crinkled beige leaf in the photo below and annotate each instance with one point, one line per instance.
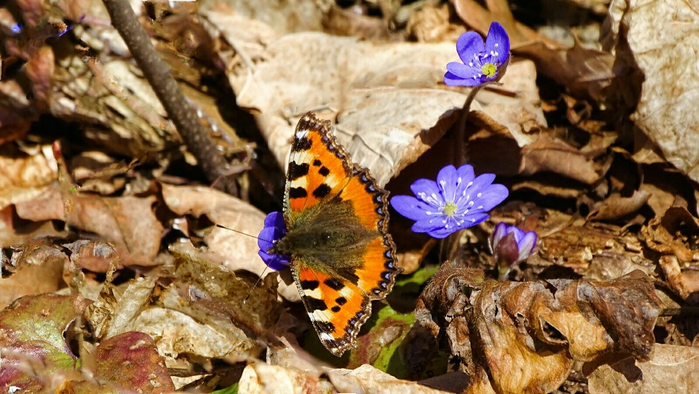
(283, 16)
(261, 378)
(671, 369)
(663, 37)
(238, 250)
(388, 99)
(367, 379)
(24, 176)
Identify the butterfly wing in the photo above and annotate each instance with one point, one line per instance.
(337, 221)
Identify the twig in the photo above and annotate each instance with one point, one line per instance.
(157, 72)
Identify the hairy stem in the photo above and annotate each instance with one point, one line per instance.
(461, 156)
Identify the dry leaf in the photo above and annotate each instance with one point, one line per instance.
(367, 379)
(671, 369)
(660, 36)
(128, 222)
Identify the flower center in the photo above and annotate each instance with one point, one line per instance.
(489, 70)
(449, 209)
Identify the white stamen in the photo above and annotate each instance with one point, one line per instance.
(497, 45)
(470, 64)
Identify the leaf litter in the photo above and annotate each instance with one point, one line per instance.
(120, 271)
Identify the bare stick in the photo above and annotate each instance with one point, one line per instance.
(157, 73)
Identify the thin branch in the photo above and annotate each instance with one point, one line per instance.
(157, 72)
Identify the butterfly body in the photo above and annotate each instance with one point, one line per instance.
(336, 217)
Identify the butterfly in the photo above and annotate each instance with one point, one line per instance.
(336, 218)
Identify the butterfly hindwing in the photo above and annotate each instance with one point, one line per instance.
(336, 307)
(337, 236)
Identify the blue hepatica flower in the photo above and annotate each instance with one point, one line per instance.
(512, 245)
(457, 200)
(273, 230)
(481, 63)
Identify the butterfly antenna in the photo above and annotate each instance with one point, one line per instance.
(239, 232)
(245, 300)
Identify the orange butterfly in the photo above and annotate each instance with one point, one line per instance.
(333, 235)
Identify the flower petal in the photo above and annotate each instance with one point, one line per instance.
(469, 45)
(498, 234)
(473, 219)
(526, 245)
(412, 208)
(274, 261)
(465, 172)
(446, 181)
(492, 197)
(463, 71)
(455, 80)
(497, 42)
(273, 230)
(432, 194)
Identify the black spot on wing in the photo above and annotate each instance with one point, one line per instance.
(341, 300)
(297, 170)
(297, 192)
(336, 309)
(301, 144)
(334, 284)
(314, 304)
(309, 284)
(324, 171)
(317, 163)
(321, 191)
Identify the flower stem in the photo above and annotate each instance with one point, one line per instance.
(461, 156)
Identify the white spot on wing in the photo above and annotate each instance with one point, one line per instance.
(324, 336)
(315, 293)
(299, 182)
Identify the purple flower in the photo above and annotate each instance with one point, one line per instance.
(273, 230)
(481, 63)
(457, 200)
(16, 28)
(512, 245)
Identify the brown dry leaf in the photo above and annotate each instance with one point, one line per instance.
(34, 269)
(527, 335)
(431, 24)
(16, 112)
(671, 369)
(660, 36)
(389, 107)
(615, 206)
(367, 379)
(39, 70)
(128, 222)
(671, 233)
(597, 251)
